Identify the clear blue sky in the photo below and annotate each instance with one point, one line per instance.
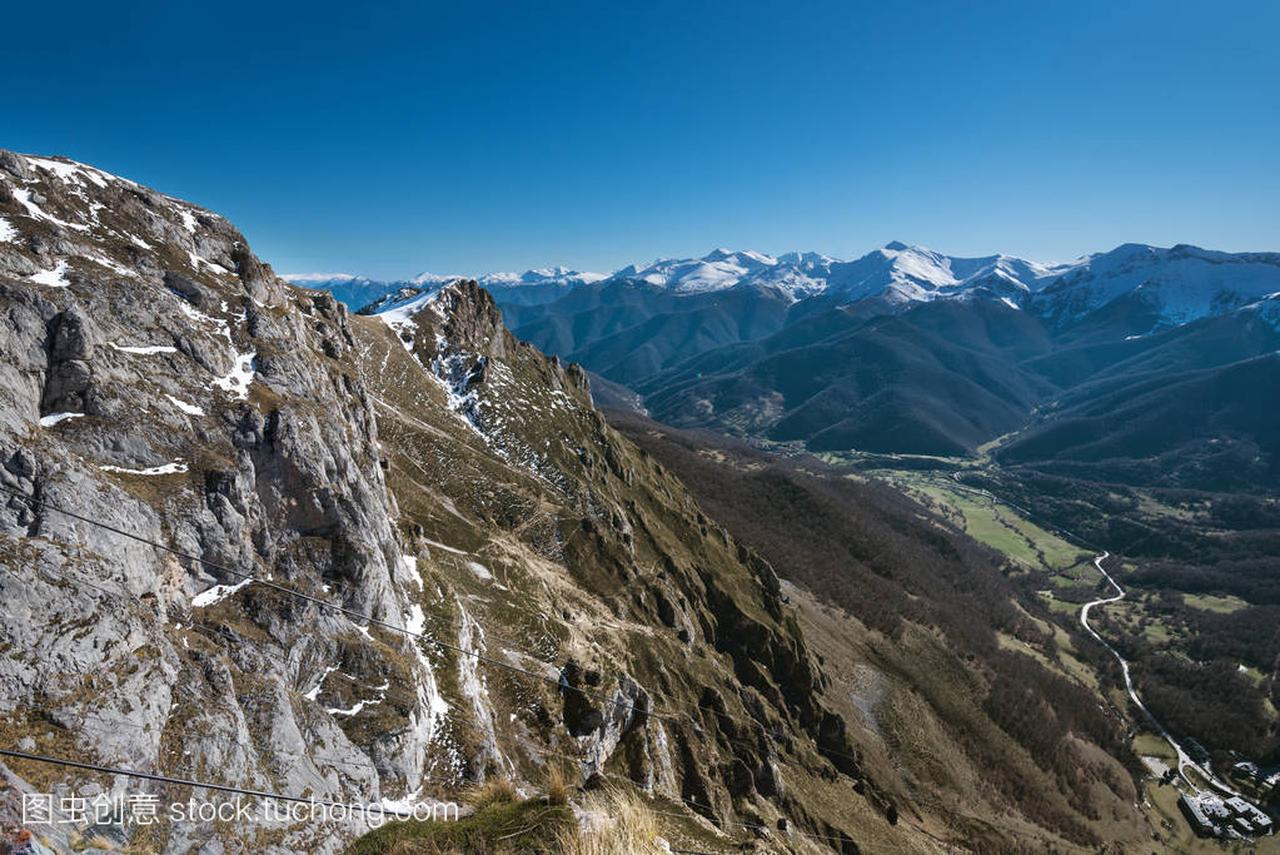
(388, 139)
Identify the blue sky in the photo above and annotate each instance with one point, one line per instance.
(389, 139)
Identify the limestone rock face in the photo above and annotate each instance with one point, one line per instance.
(470, 574)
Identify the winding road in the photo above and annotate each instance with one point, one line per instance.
(1184, 760)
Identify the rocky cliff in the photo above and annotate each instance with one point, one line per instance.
(249, 539)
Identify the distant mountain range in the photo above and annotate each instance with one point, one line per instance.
(1084, 365)
(1183, 282)
(533, 286)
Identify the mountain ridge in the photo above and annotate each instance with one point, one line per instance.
(900, 274)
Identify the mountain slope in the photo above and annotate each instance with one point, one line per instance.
(935, 380)
(893, 601)
(538, 591)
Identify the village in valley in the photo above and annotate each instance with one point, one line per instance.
(1216, 815)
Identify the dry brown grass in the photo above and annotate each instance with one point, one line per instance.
(495, 791)
(559, 784)
(626, 827)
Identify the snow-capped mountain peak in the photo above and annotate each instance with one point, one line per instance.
(1179, 284)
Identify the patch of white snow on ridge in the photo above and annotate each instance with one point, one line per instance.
(237, 382)
(315, 692)
(397, 315)
(53, 418)
(217, 594)
(70, 172)
(359, 705)
(410, 563)
(1011, 304)
(36, 212)
(173, 468)
(144, 350)
(189, 409)
(416, 621)
(114, 266)
(199, 261)
(188, 220)
(55, 278)
(7, 231)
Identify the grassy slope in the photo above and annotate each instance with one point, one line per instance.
(561, 588)
(913, 694)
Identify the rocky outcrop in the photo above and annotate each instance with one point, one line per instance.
(470, 573)
(166, 384)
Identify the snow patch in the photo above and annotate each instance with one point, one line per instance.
(7, 231)
(173, 468)
(36, 212)
(216, 594)
(315, 692)
(410, 563)
(55, 278)
(189, 409)
(74, 173)
(359, 705)
(237, 382)
(481, 572)
(416, 621)
(198, 261)
(114, 266)
(144, 350)
(53, 418)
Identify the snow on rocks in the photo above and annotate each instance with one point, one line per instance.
(197, 262)
(35, 211)
(237, 381)
(217, 594)
(359, 705)
(7, 231)
(55, 278)
(362, 704)
(114, 266)
(174, 468)
(144, 350)
(409, 563)
(189, 409)
(54, 418)
(416, 621)
(74, 173)
(314, 692)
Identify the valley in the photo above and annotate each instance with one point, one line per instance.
(1059, 583)
(1048, 413)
